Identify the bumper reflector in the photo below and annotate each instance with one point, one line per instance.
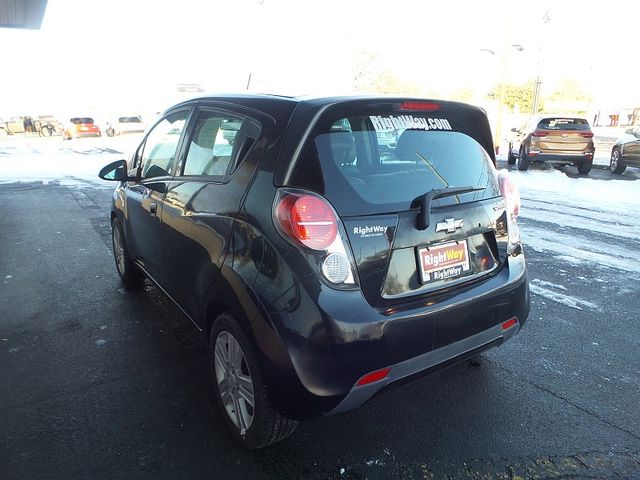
(509, 323)
(373, 377)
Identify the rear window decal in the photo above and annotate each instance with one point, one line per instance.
(403, 122)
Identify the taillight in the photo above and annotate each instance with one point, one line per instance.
(510, 192)
(512, 198)
(539, 133)
(587, 134)
(422, 106)
(308, 220)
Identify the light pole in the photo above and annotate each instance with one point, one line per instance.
(546, 19)
(260, 3)
(501, 87)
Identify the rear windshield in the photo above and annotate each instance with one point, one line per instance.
(129, 120)
(384, 162)
(82, 120)
(563, 124)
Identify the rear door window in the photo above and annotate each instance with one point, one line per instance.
(384, 162)
(218, 143)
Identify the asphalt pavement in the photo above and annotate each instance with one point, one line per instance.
(100, 383)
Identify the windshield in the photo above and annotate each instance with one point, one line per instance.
(384, 163)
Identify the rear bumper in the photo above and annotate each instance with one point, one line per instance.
(561, 158)
(334, 338)
(427, 362)
(86, 134)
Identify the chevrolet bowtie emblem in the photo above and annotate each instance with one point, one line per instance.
(449, 225)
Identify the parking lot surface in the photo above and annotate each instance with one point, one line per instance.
(98, 382)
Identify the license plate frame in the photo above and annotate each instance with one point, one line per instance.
(443, 261)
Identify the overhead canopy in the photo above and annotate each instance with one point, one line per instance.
(22, 13)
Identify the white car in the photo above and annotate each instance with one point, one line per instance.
(121, 125)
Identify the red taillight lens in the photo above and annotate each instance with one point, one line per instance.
(509, 192)
(308, 219)
(422, 106)
(587, 134)
(539, 133)
(373, 377)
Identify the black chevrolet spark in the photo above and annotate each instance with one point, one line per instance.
(322, 266)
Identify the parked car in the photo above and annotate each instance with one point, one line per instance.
(320, 271)
(14, 125)
(81, 127)
(626, 151)
(122, 125)
(555, 140)
(230, 129)
(387, 138)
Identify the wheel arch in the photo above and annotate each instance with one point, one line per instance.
(230, 294)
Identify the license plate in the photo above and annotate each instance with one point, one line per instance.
(439, 262)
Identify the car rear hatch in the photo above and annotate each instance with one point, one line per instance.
(422, 216)
(83, 124)
(561, 135)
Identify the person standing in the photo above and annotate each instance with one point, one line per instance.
(37, 125)
(27, 123)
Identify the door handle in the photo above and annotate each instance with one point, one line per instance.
(153, 208)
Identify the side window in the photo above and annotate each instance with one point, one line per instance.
(212, 144)
(160, 148)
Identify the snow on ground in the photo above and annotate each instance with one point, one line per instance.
(537, 287)
(581, 220)
(556, 188)
(74, 162)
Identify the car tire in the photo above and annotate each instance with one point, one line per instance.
(585, 166)
(131, 277)
(615, 164)
(523, 160)
(511, 158)
(238, 382)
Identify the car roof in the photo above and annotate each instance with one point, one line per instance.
(315, 100)
(281, 107)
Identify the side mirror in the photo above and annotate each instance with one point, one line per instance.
(514, 130)
(115, 172)
(629, 130)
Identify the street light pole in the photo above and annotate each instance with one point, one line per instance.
(501, 91)
(536, 95)
(537, 88)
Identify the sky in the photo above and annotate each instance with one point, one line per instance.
(128, 56)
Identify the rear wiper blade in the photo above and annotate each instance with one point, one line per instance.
(425, 201)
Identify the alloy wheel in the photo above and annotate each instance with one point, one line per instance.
(234, 381)
(615, 158)
(118, 250)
